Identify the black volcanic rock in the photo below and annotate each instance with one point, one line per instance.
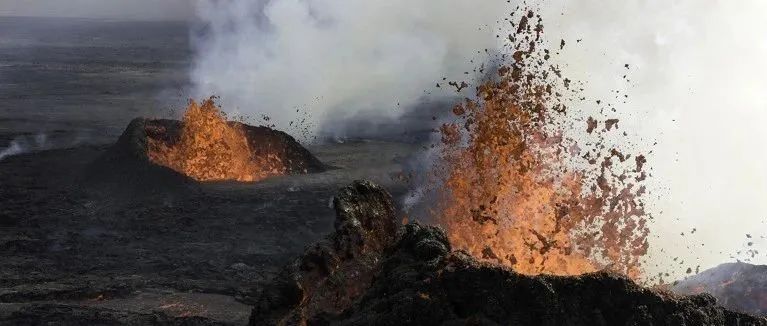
(59, 314)
(331, 274)
(418, 280)
(737, 286)
(125, 169)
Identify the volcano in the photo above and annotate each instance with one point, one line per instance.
(207, 147)
(202, 147)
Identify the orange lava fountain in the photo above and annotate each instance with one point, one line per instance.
(210, 148)
(515, 190)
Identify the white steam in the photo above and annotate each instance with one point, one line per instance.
(25, 144)
(336, 57)
(699, 88)
(31, 143)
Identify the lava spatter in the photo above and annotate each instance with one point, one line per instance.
(210, 148)
(514, 189)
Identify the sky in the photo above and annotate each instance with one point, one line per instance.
(100, 9)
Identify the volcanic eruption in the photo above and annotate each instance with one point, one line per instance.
(522, 182)
(522, 198)
(204, 146)
(207, 147)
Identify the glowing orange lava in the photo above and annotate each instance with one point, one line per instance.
(210, 148)
(516, 191)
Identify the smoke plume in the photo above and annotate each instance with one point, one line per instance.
(336, 58)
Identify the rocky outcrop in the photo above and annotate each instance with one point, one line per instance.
(737, 286)
(356, 277)
(333, 273)
(421, 283)
(59, 314)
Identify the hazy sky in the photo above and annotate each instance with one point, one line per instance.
(113, 9)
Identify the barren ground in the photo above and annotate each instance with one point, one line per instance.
(78, 83)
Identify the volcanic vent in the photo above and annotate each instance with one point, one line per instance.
(204, 146)
(207, 147)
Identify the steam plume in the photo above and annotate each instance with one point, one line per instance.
(25, 144)
(338, 58)
(696, 81)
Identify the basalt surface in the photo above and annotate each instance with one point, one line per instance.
(193, 257)
(737, 286)
(206, 254)
(54, 314)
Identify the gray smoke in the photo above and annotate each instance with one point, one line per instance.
(336, 58)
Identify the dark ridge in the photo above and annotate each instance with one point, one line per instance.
(363, 275)
(334, 272)
(125, 169)
(60, 314)
(737, 286)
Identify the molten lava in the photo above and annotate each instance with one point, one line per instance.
(210, 148)
(515, 190)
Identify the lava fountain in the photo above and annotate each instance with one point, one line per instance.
(207, 147)
(517, 188)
